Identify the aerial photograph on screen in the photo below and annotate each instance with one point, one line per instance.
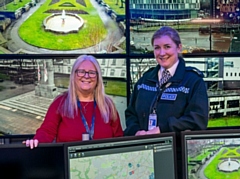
(62, 26)
(28, 87)
(203, 25)
(213, 158)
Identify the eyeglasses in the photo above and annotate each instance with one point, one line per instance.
(91, 73)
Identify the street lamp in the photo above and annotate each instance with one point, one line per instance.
(210, 37)
(231, 37)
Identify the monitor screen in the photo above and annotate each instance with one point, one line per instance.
(59, 27)
(211, 154)
(221, 76)
(44, 162)
(124, 157)
(28, 87)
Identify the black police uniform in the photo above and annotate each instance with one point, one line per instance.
(181, 104)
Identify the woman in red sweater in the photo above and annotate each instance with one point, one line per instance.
(83, 111)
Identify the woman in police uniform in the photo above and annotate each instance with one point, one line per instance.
(170, 93)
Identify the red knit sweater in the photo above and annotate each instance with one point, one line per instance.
(63, 129)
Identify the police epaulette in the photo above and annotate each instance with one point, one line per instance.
(195, 70)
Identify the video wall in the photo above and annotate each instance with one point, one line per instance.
(28, 86)
(107, 27)
(49, 35)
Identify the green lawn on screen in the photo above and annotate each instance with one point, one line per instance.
(211, 171)
(224, 122)
(113, 87)
(32, 30)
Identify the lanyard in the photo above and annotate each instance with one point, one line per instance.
(89, 131)
(153, 107)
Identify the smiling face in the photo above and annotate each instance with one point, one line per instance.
(166, 51)
(85, 84)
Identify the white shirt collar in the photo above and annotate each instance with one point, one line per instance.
(171, 70)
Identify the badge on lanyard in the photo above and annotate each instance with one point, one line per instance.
(152, 120)
(85, 136)
(89, 131)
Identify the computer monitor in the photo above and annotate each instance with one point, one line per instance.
(211, 154)
(20, 162)
(151, 156)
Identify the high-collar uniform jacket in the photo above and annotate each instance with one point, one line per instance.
(181, 104)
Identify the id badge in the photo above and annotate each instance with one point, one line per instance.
(152, 121)
(85, 136)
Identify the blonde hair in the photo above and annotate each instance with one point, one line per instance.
(105, 104)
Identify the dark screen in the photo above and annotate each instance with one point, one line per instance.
(44, 162)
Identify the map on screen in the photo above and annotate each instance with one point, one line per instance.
(132, 165)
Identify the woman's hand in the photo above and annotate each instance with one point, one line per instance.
(155, 130)
(31, 143)
(142, 132)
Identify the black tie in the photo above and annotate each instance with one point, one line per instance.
(165, 77)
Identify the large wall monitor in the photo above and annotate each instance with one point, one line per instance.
(203, 26)
(221, 76)
(20, 162)
(126, 157)
(28, 87)
(58, 27)
(211, 154)
(222, 79)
